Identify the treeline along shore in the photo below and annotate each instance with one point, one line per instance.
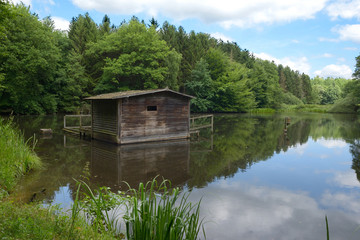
(44, 70)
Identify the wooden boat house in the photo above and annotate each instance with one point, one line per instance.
(140, 116)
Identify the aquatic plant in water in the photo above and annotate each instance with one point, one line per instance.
(153, 211)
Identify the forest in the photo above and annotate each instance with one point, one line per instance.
(44, 70)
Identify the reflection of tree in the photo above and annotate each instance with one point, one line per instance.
(60, 165)
(243, 140)
(239, 142)
(355, 151)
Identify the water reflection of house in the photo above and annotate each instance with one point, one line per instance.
(134, 163)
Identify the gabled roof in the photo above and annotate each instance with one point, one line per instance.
(133, 93)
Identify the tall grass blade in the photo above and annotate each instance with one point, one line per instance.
(327, 228)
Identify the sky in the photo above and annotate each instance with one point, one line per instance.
(317, 37)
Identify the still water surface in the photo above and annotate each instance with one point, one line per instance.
(256, 180)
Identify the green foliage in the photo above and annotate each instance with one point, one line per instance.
(152, 211)
(134, 57)
(29, 61)
(82, 31)
(16, 156)
(156, 212)
(289, 98)
(349, 104)
(305, 108)
(44, 70)
(356, 74)
(233, 93)
(297, 84)
(327, 91)
(96, 206)
(264, 82)
(200, 86)
(36, 222)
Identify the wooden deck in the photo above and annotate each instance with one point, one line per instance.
(196, 124)
(201, 122)
(78, 129)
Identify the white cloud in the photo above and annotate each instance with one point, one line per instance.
(327, 55)
(322, 39)
(346, 179)
(344, 9)
(26, 2)
(301, 64)
(60, 23)
(332, 70)
(238, 210)
(346, 201)
(228, 13)
(351, 48)
(332, 143)
(221, 36)
(341, 59)
(348, 32)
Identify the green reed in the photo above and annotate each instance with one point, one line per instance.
(327, 228)
(17, 156)
(152, 211)
(156, 212)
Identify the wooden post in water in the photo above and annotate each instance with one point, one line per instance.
(212, 123)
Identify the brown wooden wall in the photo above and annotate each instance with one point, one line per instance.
(105, 120)
(169, 121)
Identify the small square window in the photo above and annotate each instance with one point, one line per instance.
(151, 108)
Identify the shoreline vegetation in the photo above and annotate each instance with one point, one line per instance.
(17, 156)
(153, 211)
(94, 58)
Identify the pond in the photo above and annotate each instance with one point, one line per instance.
(258, 176)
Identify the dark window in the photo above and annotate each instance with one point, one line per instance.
(152, 108)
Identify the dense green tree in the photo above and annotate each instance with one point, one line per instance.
(264, 82)
(218, 63)
(83, 30)
(105, 26)
(59, 70)
(200, 86)
(237, 54)
(29, 62)
(154, 23)
(356, 73)
(133, 57)
(328, 90)
(232, 93)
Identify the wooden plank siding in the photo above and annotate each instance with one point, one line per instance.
(105, 120)
(169, 121)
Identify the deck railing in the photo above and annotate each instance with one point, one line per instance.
(79, 128)
(201, 122)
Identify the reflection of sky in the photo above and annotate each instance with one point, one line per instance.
(287, 196)
(63, 197)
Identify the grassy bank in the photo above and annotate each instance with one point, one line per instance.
(32, 221)
(152, 211)
(296, 108)
(16, 156)
(306, 108)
